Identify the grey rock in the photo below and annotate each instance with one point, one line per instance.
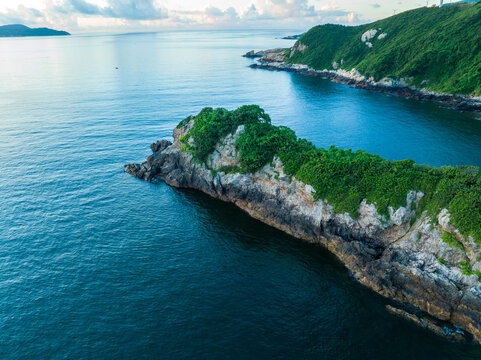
(160, 145)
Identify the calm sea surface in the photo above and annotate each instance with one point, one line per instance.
(95, 264)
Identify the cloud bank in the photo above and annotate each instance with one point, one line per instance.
(92, 15)
(121, 9)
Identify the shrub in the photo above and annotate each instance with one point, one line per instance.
(211, 125)
(452, 241)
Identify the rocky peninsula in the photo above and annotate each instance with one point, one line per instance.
(276, 60)
(428, 53)
(424, 258)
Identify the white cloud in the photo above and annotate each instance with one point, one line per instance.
(21, 15)
(105, 15)
(213, 15)
(122, 9)
(284, 9)
(353, 18)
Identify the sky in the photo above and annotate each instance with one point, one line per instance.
(81, 16)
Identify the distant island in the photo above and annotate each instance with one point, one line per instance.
(18, 30)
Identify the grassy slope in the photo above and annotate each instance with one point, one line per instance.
(442, 45)
(342, 177)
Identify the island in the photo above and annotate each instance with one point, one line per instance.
(409, 232)
(18, 30)
(429, 53)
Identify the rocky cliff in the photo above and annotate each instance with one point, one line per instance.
(399, 257)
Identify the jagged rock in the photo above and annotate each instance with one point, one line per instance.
(429, 324)
(160, 145)
(250, 54)
(297, 47)
(259, 54)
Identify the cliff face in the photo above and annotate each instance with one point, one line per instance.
(399, 258)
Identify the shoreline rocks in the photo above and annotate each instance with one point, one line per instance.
(262, 53)
(430, 324)
(396, 257)
(293, 37)
(275, 61)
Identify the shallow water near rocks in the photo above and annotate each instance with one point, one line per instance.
(97, 264)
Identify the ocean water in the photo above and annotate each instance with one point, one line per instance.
(95, 264)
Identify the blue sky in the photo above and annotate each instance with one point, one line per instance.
(141, 15)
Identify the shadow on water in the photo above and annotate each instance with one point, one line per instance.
(339, 309)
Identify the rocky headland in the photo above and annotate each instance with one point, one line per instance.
(401, 255)
(276, 59)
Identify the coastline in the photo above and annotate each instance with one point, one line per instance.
(398, 259)
(274, 61)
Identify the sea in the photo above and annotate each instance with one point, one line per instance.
(95, 264)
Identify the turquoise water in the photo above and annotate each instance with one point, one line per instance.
(95, 264)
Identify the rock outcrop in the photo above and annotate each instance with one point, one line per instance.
(293, 37)
(397, 256)
(259, 54)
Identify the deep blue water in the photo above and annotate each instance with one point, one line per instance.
(95, 264)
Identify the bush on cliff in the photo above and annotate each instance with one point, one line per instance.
(211, 125)
(260, 142)
(343, 177)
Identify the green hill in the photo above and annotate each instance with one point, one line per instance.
(436, 48)
(18, 30)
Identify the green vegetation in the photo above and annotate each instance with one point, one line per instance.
(229, 169)
(211, 125)
(466, 269)
(442, 261)
(439, 45)
(343, 177)
(452, 241)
